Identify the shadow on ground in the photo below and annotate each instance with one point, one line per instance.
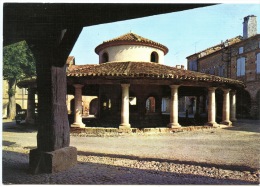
(23, 127)
(15, 171)
(246, 126)
(201, 164)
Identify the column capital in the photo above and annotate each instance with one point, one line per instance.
(174, 86)
(78, 85)
(212, 88)
(226, 90)
(125, 85)
(233, 91)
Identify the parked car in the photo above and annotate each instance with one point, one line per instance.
(20, 116)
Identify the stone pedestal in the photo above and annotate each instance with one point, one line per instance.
(52, 162)
(174, 107)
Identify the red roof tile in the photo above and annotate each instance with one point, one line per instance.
(70, 60)
(217, 47)
(131, 39)
(144, 69)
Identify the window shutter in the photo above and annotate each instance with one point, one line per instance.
(258, 62)
(238, 68)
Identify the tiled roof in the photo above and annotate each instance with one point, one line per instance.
(131, 38)
(70, 60)
(143, 69)
(217, 47)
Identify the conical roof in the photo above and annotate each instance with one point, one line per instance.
(131, 39)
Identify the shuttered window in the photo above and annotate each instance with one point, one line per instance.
(241, 66)
(193, 65)
(258, 63)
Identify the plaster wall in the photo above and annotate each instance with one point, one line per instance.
(131, 53)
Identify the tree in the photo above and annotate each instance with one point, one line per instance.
(19, 63)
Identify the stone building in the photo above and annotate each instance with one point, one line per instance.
(237, 58)
(134, 88)
(21, 96)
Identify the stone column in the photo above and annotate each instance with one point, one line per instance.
(211, 107)
(226, 108)
(174, 107)
(30, 116)
(233, 106)
(197, 113)
(78, 107)
(125, 107)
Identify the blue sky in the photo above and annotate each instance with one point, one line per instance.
(184, 33)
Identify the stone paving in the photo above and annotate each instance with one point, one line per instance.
(205, 156)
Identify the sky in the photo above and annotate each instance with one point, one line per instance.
(184, 33)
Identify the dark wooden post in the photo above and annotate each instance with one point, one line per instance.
(53, 152)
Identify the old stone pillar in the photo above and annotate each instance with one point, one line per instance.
(30, 116)
(212, 107)
(174, 107)
(226, 108)
(125, 107)
(78, 107)
(197, 113)
(233, 106)
(53, 152)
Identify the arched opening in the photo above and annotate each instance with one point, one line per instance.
(93, 107)
(150, 105)
(219, 104)
(243, 104)
(18, 108)
(154, 57)
(72, 106)
(104, 58)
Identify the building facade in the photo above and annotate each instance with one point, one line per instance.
(134, 89)
(237, 58)
(21, 95)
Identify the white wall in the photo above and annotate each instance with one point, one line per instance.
(131, 53)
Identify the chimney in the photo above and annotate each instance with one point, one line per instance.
(249, 26)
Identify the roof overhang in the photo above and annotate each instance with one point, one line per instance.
(35, 21)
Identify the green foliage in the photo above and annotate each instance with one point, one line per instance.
(11, 91)
(19, 62)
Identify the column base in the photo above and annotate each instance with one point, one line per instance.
(52, 162)
(124, 126)
(233, 120)
(78, 125)
(212, 124)
(29, 121)
(228, 123)
(174, 125)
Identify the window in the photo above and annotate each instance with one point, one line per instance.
(193, 65)
(154, 57)
(132, 100)
(240, 50)
(211, 71)
(258, 63)
(150, 105)
(241, 66)
(104, 58)
(221, 71)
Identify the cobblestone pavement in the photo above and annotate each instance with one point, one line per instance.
(211, 156)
